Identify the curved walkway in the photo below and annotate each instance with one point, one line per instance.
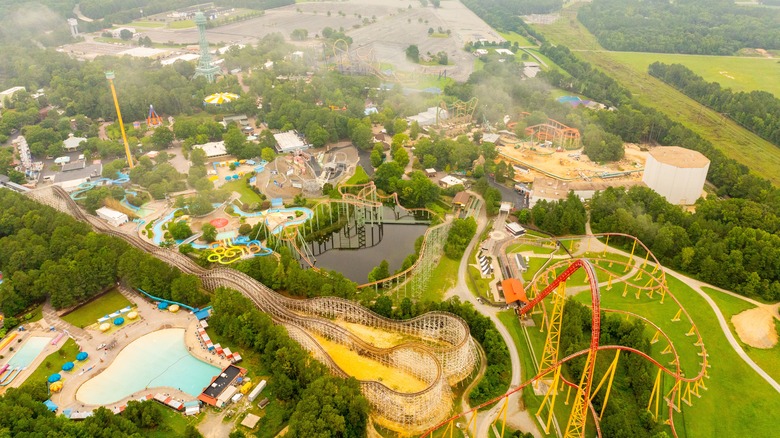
(696, 286)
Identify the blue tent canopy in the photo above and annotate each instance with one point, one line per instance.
(162, 305)
(67, 366)
(54, 378)
(82, 356)
(119, 321)
(50, 405)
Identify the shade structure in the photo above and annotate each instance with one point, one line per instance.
(174, 308)
(104, 327)
(119, 321)
(162, 305)
(220, 98)
(56, 387)
(67, 366)
(55, 378)
(82, 355)
(132, 315)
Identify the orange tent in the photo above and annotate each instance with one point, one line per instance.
(513, 291)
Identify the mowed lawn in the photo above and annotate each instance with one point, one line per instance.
(240, 186)
(741, 401)
(740, 73)
(89, 313)
(767, 359)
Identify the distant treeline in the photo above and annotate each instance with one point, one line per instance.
(125, 11)
(634, 122)
(504, 14)
(758, 111)
(707, 27)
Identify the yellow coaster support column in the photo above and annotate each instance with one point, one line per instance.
(110, 76)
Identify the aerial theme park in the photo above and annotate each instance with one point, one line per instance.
(405, 222)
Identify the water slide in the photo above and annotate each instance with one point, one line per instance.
(8, 378)
(8, 340)
(184, 306)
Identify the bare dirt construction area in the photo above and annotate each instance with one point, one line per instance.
(569, 164)
(383, 27)
(756, 327)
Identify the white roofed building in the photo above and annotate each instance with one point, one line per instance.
(113, 217)
(450, 181)
(72, 143)
(290, 141)
(213, 149)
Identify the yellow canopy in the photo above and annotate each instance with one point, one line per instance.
(104, 327)
(132, 315)
(174, 308)
(56, 387)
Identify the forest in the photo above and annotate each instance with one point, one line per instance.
(732, 243)
(567, 216)
(758, 111)
(47, 254)
(704, 27)
(315, 403)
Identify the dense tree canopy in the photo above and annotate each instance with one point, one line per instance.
(757, 111)
(708, 27)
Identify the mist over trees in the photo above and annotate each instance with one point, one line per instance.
(705, 27)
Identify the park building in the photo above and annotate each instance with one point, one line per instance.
(290, 141)
(113, 217)
(676, 173)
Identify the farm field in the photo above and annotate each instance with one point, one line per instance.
(740, 73)
(759, 155)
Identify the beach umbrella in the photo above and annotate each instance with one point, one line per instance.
(220, 98)
(104, 327)
(174, 308)
(162, 305)
(82, 355)
(132, 315)
(67, 366)
(119, 321)
(54, 378)
(56, 387)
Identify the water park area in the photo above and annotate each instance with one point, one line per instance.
(23, 358)
(166, 363)
(223, 172)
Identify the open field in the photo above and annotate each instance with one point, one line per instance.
(239, 186)
(767, 359)
(363, 368)
(443, 277)
(740, 73)
(759, 155)
(89, 313)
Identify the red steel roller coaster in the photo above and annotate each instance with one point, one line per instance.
(683, 389)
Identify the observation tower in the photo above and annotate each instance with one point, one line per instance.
(205, 67)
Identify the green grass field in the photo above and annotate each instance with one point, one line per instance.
(247, 195)
(183, 24)
(767, 359)
(360, 176)
(514, 37)
(443, 277)
(89, 313)
(740, 73)
(147, 24)
(53, 363)
(759, 155)
(731, 382)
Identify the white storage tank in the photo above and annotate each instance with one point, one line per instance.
(255, 392)
(676, 173)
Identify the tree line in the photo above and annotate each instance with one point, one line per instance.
(758, 111)
(704, 27)
(22, 413)
(733, 243)
(634, 122)
(566, 216)
(315, 403)
(47, 254)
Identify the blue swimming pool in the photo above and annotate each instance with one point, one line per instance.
(29, 351)
(157, 359)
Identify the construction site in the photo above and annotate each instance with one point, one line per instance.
(554, 150)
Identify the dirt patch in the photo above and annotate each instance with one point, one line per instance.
(756, 327)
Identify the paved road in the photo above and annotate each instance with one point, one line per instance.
(461, 290)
